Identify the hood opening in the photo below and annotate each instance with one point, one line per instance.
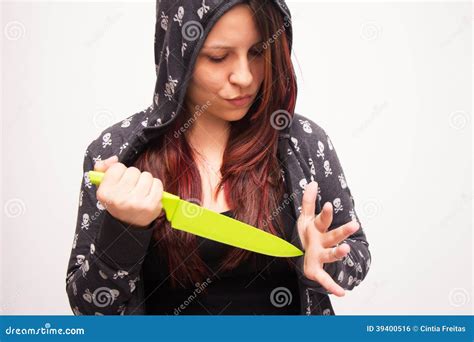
(180, 31)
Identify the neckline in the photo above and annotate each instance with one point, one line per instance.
(226, 212)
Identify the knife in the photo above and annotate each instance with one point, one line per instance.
(194, 219)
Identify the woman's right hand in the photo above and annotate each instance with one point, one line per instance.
(132, 196)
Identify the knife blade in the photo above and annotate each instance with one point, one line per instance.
(197, 220)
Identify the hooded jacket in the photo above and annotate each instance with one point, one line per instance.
(104, 274)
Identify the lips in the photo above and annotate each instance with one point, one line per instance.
(241, 101)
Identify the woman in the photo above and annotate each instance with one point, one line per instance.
(221, 132)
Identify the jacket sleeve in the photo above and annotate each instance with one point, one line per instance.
(333, 187)
(105, 263)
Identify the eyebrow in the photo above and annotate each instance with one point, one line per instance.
(226, 47)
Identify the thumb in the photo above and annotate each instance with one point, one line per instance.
(103, 165)
(309, 199)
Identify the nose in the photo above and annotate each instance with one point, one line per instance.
(242, 74)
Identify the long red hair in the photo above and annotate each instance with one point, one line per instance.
(251, 175)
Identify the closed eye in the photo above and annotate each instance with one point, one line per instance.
(216, 59)
(254, 52)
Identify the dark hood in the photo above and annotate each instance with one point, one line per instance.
(180, 31)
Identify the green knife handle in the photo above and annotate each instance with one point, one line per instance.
(168, 201)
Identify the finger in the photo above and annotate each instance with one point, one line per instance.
(335, 254)
(309, 199)
(113, 175)
(143, 186)
(103, 165)
(324, 218)
(156, 192)
(328, 283)
(129, 179)
(156, 189)
(337, 235)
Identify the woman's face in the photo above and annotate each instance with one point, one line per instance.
(229, 65)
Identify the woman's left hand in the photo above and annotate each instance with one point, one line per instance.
(318, 243)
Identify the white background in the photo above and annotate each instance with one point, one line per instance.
(389, 82)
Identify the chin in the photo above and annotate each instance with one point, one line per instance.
(236, 115)
(231, 114)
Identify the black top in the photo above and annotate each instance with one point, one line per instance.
(263, 286)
